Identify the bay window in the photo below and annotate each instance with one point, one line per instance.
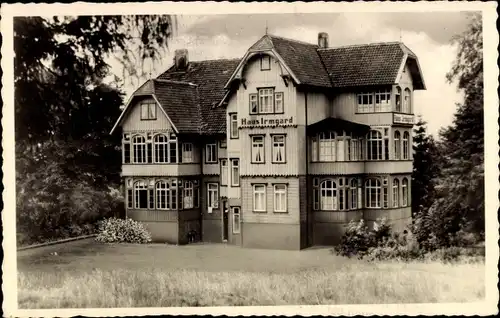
(259, 197)
(327, 146)
(397, 145)
(278, 150)
(280, 198)
(372, 193)
(163, 197)
(354, 194)
(328, 195)
(258, 149)
(141, 195)
(187, 152)
(374, 143)
(406, 143)
(404, 188)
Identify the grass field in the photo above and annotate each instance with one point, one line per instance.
(87, 274)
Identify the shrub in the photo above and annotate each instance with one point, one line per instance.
(113, 230)
(358, 238)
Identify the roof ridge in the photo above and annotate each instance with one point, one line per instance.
(360, 45)
(291, 40)
(174, 82)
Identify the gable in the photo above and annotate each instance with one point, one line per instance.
(132, 120)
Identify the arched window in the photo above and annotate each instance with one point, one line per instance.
(397, 145)
(372, 193)
(328, 195)
(407, 101)
(398, 99)
(162, 195)
(139, 143)
(327, 146)
(406, 145)
(188, 195)
(354, 194)
(141, 195)
(395, 193)
(375, 150)
(404, 187)
(161, 148)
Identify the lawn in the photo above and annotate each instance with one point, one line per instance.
(88, 274)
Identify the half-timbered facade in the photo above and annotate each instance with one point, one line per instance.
(278, 149)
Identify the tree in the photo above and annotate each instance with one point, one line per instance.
(66, 161)
(460, 186)
(424, 168)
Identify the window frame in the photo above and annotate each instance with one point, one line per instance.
(405, 199)
(186, 159)
(323, 190)
(137, 195)
(263, 143)
(274, 149)
(233, 131)
(395, 193)
(237, 166)
(224, 167)
(264, 197)
(262, 57)
(207, 152)
(234, 214)
(407, 105)
(283, 195)
(406, 145)
(213, 194)
(135, 149)
(378, 193)
(151, 115)
(379, 142)
(260, 95)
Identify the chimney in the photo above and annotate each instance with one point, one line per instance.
(181, 59)
(323, 40)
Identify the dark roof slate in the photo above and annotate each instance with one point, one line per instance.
(363, 65)
(210, 77)
(338, 125)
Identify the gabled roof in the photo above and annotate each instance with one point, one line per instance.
(210, 77)
(367, 65)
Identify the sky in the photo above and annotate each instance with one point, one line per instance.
(427, 34)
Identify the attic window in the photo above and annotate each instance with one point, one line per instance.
(148, 111)
(265, 63)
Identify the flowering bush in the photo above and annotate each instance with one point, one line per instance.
(113, 230)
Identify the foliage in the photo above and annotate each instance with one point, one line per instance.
(425, 168)
(358, 238)
(65, 107)
(459, 201)
(114, 230)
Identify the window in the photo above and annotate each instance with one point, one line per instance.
(130, 198)
(141, 195)
(233, 126)
(266, 100)
(383, 100)
(397, 145)
(254, 104)
(278, 102)
(407, 101)
(265, 63)
(223, 143)
(188, 199)
(340, 150)
(172, 144)
(259, 197)
(354, 194)
(223, 172)
(327, 146)
(148, 111)
(213, 195)
(315, 194)
(395, 193)
(372, 193)
(406, 141)
(355, 149)
(328, 195)
(139, 149)
(126, 148)
(280, 198)
(314, 149)
(236, 220)
(365, 102)
(278, 148)
(163, 195)
(398, 99)
(235, 172)
(211, 153)
(187, 152)
(258, 149)
(374, 145)
(404, 187)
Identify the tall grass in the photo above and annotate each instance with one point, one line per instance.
(382, 283)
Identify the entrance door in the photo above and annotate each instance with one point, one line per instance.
(225, 221)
